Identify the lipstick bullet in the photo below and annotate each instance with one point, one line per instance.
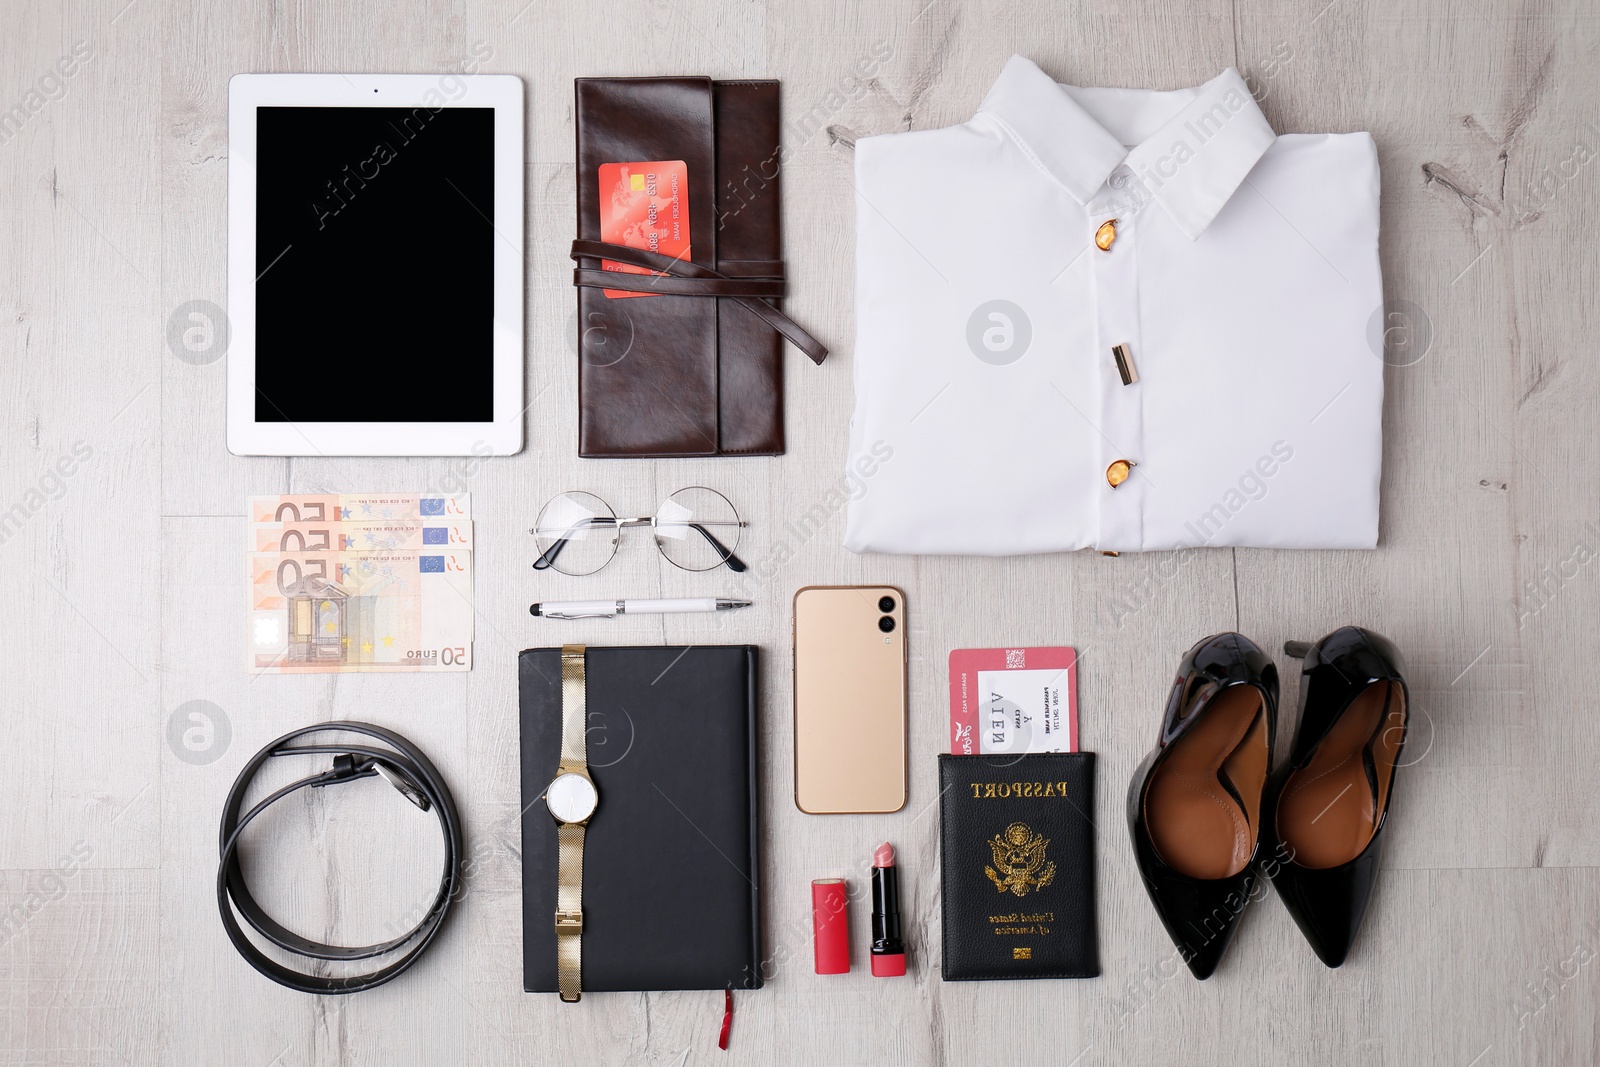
(888, 951)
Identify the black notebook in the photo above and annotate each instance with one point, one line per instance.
(670, 870)
(1016, 866)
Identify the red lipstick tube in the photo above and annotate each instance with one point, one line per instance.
(830, 926)
(888, 950)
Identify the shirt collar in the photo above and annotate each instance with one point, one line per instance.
(1192, 147)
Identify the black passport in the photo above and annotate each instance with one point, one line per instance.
(670, 871)
(1016, 862)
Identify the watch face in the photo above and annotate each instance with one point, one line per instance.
(571, 797)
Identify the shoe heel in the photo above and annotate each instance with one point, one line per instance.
(1297, 649)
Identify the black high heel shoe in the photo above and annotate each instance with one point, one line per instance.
(1326, 809)
(1194, 805)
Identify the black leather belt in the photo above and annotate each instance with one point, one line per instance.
(403, 766)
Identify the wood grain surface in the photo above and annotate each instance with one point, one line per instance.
(122, 601)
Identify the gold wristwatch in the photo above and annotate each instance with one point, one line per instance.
(571, 798)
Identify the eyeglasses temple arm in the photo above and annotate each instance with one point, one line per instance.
(734, 562)
(548, 560)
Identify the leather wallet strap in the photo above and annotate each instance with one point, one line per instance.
(736, 288)
(705, 283)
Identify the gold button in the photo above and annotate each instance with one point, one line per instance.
(1118, 472)
(1123, 356)
(1105, 235)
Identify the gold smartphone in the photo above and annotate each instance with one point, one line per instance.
(849, 699)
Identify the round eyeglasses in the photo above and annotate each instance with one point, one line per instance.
(696, 529)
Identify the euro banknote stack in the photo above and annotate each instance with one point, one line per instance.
(351, 583)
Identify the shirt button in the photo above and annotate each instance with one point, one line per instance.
(1120, 176)
(1118, 472)
(1106, 235)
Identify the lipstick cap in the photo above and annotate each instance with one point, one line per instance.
(830, 925)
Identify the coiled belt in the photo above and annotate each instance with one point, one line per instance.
(403, 766)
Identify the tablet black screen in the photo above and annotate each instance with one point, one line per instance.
(374, 264)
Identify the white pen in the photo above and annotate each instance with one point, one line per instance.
(606, 609)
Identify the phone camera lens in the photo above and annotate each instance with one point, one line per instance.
(886, 624)
(886, 604)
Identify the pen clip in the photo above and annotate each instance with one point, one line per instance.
(617, 608)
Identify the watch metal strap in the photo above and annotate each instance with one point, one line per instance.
(569, 911)
(569, 836)
(574, 710)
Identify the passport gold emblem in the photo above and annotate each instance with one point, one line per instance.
(1019, 861)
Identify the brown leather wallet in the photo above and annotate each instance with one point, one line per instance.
(697, 368)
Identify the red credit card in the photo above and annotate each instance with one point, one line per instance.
(644, 205)
(1012, 701)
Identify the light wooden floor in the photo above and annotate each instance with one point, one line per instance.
(121, 597)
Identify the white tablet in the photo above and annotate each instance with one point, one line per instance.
(375, 264)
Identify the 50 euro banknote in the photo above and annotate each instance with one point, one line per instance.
(332, 611)
(359, 507)
(434, 535)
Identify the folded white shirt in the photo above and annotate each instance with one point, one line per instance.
(1241, 278)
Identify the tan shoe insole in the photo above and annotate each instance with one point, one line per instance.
(1329, 809)
(1195, 824)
